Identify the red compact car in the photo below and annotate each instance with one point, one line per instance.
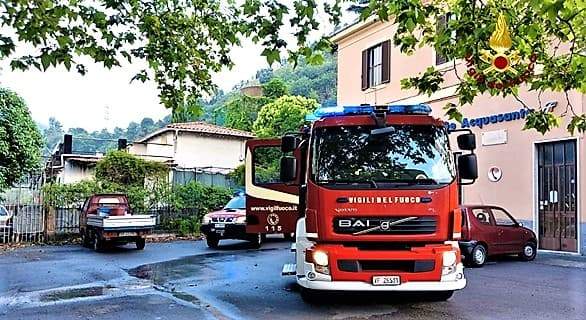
(490, 231)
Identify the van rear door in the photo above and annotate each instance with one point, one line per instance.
(271, 205)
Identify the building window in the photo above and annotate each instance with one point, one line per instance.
(442, 24)
(376, 65)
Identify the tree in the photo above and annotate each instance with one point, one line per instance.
(275, 88)
(182, 41)
(241, 112)
(20, 140)
(531, 33)
(122, 168)
(283, 115)
(53, 135)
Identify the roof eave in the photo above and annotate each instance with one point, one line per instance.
(353, 28)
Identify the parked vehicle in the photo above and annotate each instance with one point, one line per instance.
(229, 223)
(376, 192)
(5, 220)
(490, 231)
(106, 219)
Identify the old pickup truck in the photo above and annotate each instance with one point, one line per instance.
(106, 220)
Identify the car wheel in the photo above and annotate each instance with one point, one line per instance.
(140, 243)
(212, 241)
(256, 240)
(477, 256)
(529, 251)
(289, 236)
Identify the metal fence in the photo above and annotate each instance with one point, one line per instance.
(67, 220)
(217, 177)
(22, 215)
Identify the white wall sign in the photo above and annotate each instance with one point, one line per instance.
(491, 138)
(495, 174)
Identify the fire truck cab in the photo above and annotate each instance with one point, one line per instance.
(375, 190)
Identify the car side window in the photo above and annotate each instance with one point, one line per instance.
(502, 218)
(481, 215)
(3, 212)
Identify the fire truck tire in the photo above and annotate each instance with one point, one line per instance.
(256, 240)
(140, 243)
(477, 257)
(310, 296)
(442, 295)
(212, 241)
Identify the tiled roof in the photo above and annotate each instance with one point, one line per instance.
(208, 128)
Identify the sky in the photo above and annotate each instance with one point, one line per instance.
(105, 98)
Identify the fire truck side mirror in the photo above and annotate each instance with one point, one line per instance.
(468, 167)
(289, 143)
(467, 141)
(288, 169)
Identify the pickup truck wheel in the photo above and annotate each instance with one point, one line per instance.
(477, 257)
(256, 240)
(98, 244)
(85, 239)
(212, 241)
(140, 243)
(529, 252)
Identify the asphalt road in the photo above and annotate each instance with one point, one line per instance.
(185, 280)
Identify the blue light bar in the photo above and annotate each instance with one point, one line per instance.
(324, 112)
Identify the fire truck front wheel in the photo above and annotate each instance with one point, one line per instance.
(441, 295)
(309, 296)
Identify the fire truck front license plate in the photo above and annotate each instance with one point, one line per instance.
(386, 280)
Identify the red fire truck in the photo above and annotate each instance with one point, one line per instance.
(376, 191)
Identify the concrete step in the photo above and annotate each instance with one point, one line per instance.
(289, 269)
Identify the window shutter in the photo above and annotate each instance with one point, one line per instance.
(386, 63)
(364, 69)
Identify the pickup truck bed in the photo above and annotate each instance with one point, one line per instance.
(122, 222)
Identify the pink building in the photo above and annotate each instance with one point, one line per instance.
(538, 178)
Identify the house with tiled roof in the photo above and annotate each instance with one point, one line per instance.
(195, 146)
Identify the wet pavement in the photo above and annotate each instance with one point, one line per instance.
(186, 280)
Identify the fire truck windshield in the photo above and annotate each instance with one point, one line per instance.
(411, 154)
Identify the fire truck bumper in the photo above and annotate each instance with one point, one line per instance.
(453, 281)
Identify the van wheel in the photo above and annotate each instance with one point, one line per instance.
(256, 240)
(529, 252)
(477, 257)
(140, 243)
(212, 241)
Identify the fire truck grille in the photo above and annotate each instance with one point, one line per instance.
(386, 265)
(384, 225)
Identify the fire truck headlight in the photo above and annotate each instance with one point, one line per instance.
(320, 258)
(449, 258)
